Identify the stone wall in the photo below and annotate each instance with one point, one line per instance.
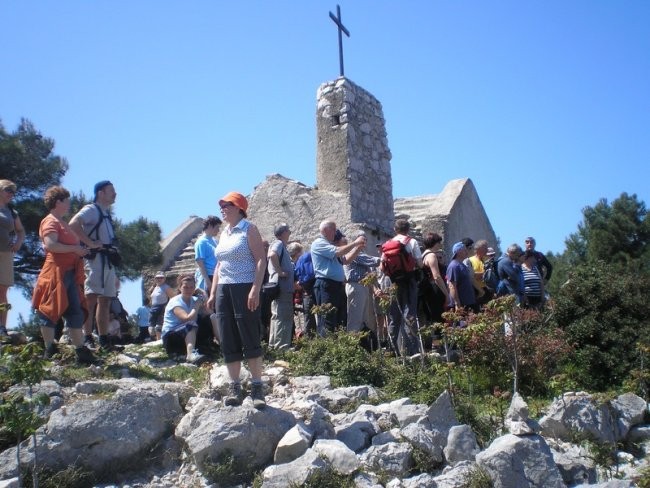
(352, 156)
(454, 213)
(279, 199)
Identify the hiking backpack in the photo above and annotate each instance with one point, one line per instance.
(491, 275)
(396, 261)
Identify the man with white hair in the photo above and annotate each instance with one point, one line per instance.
(328, 260)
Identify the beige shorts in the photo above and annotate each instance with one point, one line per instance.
(6, 268)
(101, 278)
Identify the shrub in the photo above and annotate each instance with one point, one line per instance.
(605, 312)
(507, 342)
(341, 357)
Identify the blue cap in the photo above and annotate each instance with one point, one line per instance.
(457, 247)
(100, 186)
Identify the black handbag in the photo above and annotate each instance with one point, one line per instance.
(271, 290)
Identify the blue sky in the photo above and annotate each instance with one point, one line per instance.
(544, 105)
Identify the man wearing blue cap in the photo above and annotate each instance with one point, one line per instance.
(460, 279)
(93, 225)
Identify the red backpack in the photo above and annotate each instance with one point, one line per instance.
(396, 261)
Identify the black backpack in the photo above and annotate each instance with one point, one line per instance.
(491, 275)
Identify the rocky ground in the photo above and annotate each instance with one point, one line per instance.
(145, 429)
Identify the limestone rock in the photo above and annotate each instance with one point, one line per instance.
(575, 465)
(429, 441)
(461, 445)
(630, 411)
(517, 419)
(97, 434)
(393, 458)
(342, 459)
(209, 429)
(578, 413)
(293, 444)
(519, 462)
(294, 473)
(441, 413)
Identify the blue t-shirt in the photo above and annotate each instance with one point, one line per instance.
(326, 264)
(143, 316)
(204, 248)
(171, 323)
(462, 278)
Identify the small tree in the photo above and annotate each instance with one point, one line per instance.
(508, 342)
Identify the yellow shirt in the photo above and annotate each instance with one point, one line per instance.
(478, 267)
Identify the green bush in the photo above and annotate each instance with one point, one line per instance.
(605, 312)
(341, 357)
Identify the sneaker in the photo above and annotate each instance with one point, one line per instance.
(196, 358)
(50, 351)
(85, 355)
(235, 396)
(257, 394)
(89, 342)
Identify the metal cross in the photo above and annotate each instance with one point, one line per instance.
(341, 28)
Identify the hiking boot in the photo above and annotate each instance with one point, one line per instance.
(257, 394)
(50, 351)
(235, 396)
(196, 358)
(85, 355)
(108, 347)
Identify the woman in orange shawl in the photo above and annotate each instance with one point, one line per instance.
(59, 291)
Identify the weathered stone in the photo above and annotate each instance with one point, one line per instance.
(294, 473)
(577, 414)
(456, 476)
(426, 440)
(461, 444)
(575, 465)
(342, 459)
(639, 433)
(252, 435)
(517, 462)
(517, 419)
(394, 458)
(630, 410)
(441, 413)
(98, 434)
(292, 445)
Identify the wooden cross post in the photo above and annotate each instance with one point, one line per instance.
(341, 28)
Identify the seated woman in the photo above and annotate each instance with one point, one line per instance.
(180, 320)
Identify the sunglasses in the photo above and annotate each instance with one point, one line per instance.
(9, 190)
(226, 205)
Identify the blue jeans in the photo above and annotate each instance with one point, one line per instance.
(403, 316)
(74, 314)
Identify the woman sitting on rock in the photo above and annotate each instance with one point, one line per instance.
(180, 320)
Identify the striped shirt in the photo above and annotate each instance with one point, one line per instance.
(532, 282)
